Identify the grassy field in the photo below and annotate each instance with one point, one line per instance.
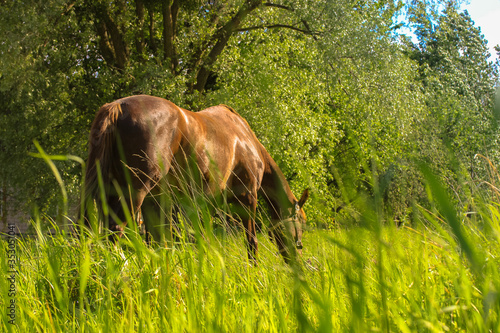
(439, 275)
(428, 278)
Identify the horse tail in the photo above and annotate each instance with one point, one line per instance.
(101, 139)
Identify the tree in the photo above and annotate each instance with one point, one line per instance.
(458, 81)
(328, 103)
(61, 53)
(343, 103)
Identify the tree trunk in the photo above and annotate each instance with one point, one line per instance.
(139, 39)
(112, 44)
(152, 30)
(169, 12)
(119, 46)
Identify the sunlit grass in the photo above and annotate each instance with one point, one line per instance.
(439, 275)
(65, 284)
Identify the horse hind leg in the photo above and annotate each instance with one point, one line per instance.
(122, 211)
(116, 220)
(157, 212)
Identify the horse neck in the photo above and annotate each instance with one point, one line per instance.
(277, 192)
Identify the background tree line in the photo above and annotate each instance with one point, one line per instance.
(343, 101)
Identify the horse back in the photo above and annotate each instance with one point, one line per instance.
(152, 136)
(233, 147)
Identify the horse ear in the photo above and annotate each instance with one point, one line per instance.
(303, 198)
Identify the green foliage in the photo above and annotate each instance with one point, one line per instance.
(459, 83)
(284, 106)
(344, 103)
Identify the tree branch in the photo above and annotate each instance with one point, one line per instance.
(219, 41)
(269, 4)
(304, 22)
(274, 26)
(290, 9)
(201, 49)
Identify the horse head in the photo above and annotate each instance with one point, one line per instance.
(297, 221)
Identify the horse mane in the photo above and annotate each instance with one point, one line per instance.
(101, 139)
(230, 109)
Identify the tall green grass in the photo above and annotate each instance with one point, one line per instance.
(350, 280)
(441, 275)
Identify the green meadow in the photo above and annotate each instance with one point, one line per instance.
(436, 276)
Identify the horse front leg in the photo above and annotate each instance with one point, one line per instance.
(246, 213)
(252, 242)
(283, 244)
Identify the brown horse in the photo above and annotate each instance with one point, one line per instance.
(140, 142)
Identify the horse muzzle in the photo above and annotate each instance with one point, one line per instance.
(299, 245)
